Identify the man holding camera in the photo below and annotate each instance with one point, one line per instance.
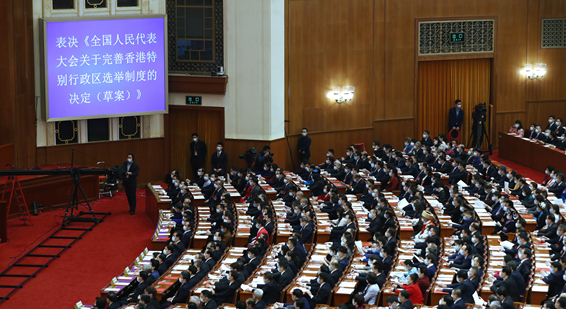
(263, 158)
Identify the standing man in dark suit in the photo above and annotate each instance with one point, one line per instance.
(131, 181)
(219, 160)
(198, 154)
(456, 116)
(304, 145)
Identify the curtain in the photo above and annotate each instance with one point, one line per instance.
(441, 83)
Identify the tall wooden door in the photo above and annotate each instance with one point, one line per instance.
(441, 83)
(208, 122)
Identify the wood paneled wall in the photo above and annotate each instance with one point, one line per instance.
(150, 153)
(183, 121)
(372, 46)
(17, 102)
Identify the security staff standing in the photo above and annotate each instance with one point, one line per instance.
(198, 154)
(130, 182)
(304, 145)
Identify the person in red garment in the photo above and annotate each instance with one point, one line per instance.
(415, 293)
(260, 230)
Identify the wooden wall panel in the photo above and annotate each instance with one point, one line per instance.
(6, 155)
(327, 52)
(150, 153)
(208, 122)
(538, 112)
(17, 104)
(393, 131)
(393, 75)
(504, 121)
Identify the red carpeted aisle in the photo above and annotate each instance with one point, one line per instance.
(89, 265)
(524, 171)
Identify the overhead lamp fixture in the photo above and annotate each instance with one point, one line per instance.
(538, 72)
(346, 95)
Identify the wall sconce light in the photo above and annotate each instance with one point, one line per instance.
(346, 95)
(538, 72)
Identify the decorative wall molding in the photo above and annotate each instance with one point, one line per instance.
(434, 37)
(553, 33)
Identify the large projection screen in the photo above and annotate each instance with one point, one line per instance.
(107, 66)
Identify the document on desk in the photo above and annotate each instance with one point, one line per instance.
(507, 244)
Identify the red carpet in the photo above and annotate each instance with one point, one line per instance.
(89, 265)
(524, 171)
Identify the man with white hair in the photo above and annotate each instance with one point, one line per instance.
(259, 303)
(195, 299)
(148, 269)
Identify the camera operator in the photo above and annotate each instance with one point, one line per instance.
(263, 157)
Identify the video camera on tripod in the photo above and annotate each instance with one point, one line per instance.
(249, 156)
(479, 128)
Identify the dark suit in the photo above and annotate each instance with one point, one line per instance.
(321, 295)
(138, 291)
(555, 282)
(304, 144)
(211, 304)
(182, 294)
(511, 286)
(130, 184)
(271, 292)
(227, 294)
(525, 268)
(198, 155)
(507, 303)
(407, 304)
(455, 120)
(286, 278)
(116, 305)
(459, 304)
(306, 234)
(219, 161)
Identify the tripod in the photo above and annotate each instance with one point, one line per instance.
(478, 136)
(74, 202)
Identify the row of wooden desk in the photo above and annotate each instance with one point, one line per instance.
(529, 153)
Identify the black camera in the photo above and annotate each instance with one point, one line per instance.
(249, 156)
(480, 112)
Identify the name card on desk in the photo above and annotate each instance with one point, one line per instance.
(114, 281)
(79, 305)
(126, 271)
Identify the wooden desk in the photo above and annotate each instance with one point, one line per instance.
(153, 203)
(530, 154)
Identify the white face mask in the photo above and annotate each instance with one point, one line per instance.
(550, 121)
(324, 190)
(459, 105)
(218, 148)
(205, 177)
(516, 125)
(130, 160)
(195, 139)
(304, 133)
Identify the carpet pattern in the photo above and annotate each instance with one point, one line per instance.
(89, 265)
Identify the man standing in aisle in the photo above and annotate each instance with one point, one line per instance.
(198, 154)
(131, 181)
(456, 116)
(304, 146)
